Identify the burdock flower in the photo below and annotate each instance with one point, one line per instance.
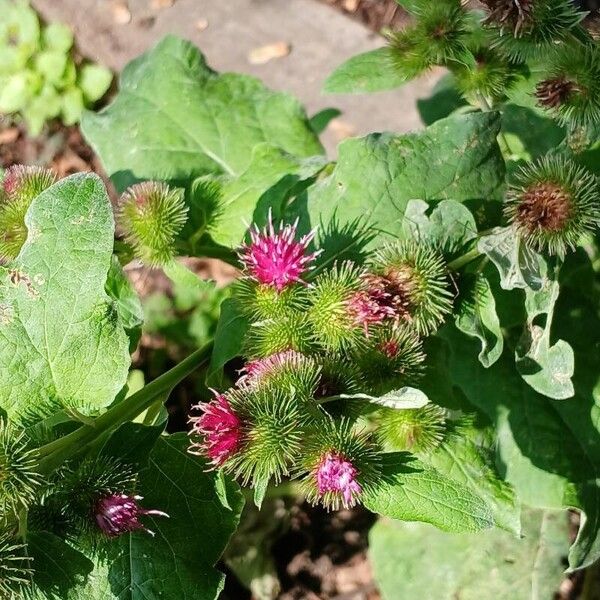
(552, 203)
(151, 216)
(372, 305)
(276, 258)
(339, 463)
(336, 475)
(219, 430)
(120, 513)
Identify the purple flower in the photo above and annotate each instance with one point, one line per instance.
(119, 513)
(219, 429)
(337, 475)
(276, 258)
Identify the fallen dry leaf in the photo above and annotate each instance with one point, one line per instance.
(10, 135)
(158, 4)
(350, 5)
(121, 13)
(341, 129)
(263, 54)
(201, 24)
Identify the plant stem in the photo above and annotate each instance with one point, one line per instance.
(54, 453)
(463, 260)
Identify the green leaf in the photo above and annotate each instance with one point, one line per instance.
(179, 561)
(457, 158)
(372, 71)
(466, 455)
(229, 339)
(444, 100)
(94, 81)
(536, 133)
(51, 64)
(62, 339)
(518, 266)
(549, 450)
(72, 105)
(476, 316)
(58, 566)
(225, 117)
(321, 120)
(58, 36)
(270, 177)
(412, 491)
(126, 300)
(15, 93)
(406, 397)
(449, 226)
(484, 566)
(546, 367)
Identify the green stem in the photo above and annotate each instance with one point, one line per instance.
(56, 452)
(463, 260)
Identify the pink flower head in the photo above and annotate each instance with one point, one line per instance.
(119, 513)
(256, 370)
(276, 258)
(372, 305)
(219, 429)
(338, 475)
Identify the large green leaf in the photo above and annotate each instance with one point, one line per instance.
(372, 71)
(267, 182)
(179, 561)
(483, 566)
(457, 158)
(549, 450)
(229, 339)
(58, 567)
(62, 338)
(176, 119)
(466, 455)
(412, 491)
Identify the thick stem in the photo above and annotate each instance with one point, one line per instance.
(54, 453)
(463, 260)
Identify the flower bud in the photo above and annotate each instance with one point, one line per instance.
(290, 331)
(274, 425)
(275, 258)
(151, 216)
(393, 358)
(288, 370)
(19, 479)
(20, 186)
(336, 306)
(571, 90)
(416, 278)
(117, 514)
(437, 38)
(412, 430)
(552, 204)
(530, 28)
(261, 302)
